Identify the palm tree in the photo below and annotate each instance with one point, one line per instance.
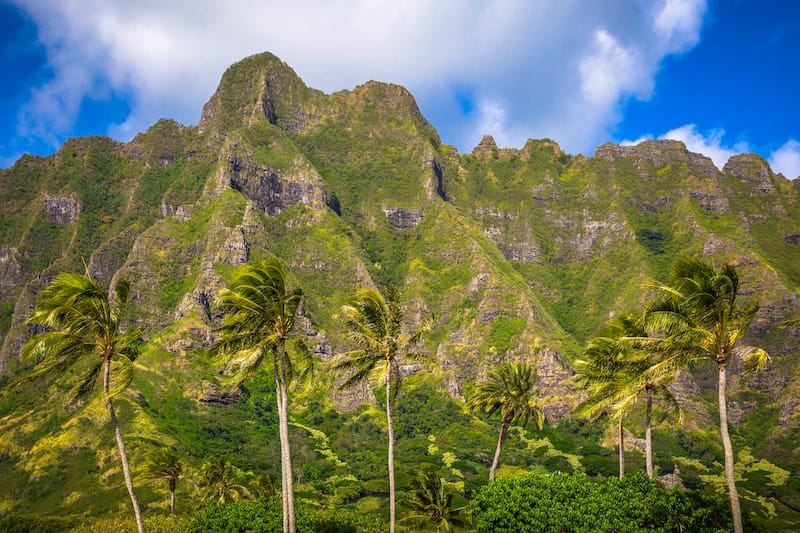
(260, 310)
(432, 502)
(85, 326)
(220, 480)
(374, 326)
(509, 389)
(698, 312)
(165, 465)
(614, 373)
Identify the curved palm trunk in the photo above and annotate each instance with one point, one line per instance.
(648, 436)
(390, 427)
(621, 449)
(123, 457)
(500, 439)
(287, 489)
(172, 496)
(728, 448)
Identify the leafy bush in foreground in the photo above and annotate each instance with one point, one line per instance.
(262, 516)
(575, 503)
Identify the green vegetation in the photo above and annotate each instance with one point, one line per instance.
(573, 502)
(508, 390)
(513, 254)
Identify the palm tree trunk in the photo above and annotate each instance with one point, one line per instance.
(287, 488)
(123, 457)
(500, 439)
(172, 497)
(621, 449)
(390, 427)
(648, 435)
(728, 448)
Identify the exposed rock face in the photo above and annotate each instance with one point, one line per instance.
(62, 210)
(402, 218)
(10, 269)
(271, 190)
(486, 148)
(656, 154)
(554, 379)
(214, 396)
(751, 168)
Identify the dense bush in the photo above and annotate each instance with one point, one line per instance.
(263, 516)
(27, 523)
(576, 503)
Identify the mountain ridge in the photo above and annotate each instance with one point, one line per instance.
(519, 253)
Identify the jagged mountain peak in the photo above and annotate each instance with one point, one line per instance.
(258, 88)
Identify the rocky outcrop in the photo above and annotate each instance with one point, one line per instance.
(554, 380)
(648, 155)
(402, 218)
(751, 168)
(10, 269)
(62, 210)
(270, 189)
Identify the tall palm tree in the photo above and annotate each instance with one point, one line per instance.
(374, 326)
(220, 480)
(85, 327)
(697, 311)
(432, 502)
(509, 389)
(614, 373)
(260, 309)
(165, 465)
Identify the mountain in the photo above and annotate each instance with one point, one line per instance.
(516, 253)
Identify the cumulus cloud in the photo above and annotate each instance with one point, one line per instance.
(554, 68)
(786, 159)
(709, 144)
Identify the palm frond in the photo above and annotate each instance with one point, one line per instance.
(87, 382)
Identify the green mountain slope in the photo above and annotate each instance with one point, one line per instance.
(516, 253)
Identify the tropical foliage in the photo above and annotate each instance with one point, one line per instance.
(508, 390)
(85, 328)
(614, 375)
(166, 466)
(260, 311)
(432, 502)
(375, 328)
(573, 502)
(698, 311)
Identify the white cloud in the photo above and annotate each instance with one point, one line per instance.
(678, 22)
(709, 144)
(611, 70)
(786, 159)
(556, 68)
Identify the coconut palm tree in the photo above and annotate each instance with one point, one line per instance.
(509, 389)
(614, 373)
(220, 480)
(432, 502)
(165, 465)
(85, 328)
(698, 312)
(374, 326)
(260, 309)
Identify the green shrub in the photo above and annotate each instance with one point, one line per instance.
(28, 523)
(575, 503)
(262, 516)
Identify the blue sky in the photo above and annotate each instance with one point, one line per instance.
(722, 76)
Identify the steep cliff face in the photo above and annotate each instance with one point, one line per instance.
(518, 254)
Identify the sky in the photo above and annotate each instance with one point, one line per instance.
(722, 76)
